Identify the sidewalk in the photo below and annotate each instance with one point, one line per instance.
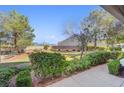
(94, 77)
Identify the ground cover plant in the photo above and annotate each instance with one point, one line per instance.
(8, 72)
(5, 75)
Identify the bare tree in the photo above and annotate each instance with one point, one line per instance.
(83, 36)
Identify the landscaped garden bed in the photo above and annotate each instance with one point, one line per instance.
(7, 74)
(52, 67)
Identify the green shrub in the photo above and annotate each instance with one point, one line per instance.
(47, 65)
(50, 65)
(5, 75)
(120, 56)
(87, 61)
(114, 67)
(96, 58)
(24, 79)
(8, 72)
(91, 48)
(46, 47)
(72, 66)
(22, 68)
(117, 55)
(115, 48)
(85, 64)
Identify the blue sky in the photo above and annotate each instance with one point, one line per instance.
(49, 21)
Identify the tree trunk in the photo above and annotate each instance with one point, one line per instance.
(15, 42)
(86, 48)
(95, 42)
(81, 53)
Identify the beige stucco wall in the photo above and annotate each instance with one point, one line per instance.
(69, 42)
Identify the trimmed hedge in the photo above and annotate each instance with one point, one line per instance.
(89, 60)
(51, 65)
(96, 58)
(71, 67)
(114, 67)
(47, 65)
(24, 79)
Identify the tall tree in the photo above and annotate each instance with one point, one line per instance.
(110, 27)
(94, 25)
(18, 26)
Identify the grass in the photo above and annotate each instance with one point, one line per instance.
(18, 58)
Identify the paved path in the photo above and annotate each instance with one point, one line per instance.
(94, 77)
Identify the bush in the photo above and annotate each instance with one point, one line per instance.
(46, 47)
(87, 61)
(117, 55)
(114, 67)
(120, 56)
(5, 75)
(47, 65)
(72, 66)
(85, 64)
(22, 68)
(115, 48)
(8, 72)
(50, 65)
(24, 79)
(90, 48)
(96, 58)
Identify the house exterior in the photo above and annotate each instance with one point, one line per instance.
(72, 44)
(71, 41)
(69, 44)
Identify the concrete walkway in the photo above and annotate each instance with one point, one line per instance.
(94, 77)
